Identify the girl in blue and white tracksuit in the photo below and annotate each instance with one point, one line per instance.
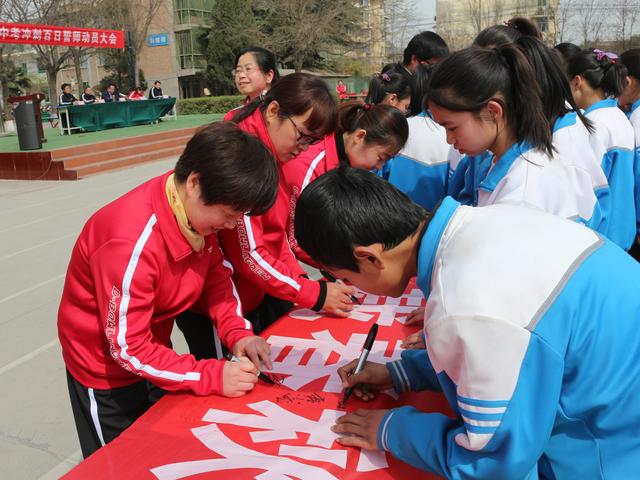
(571, 135)
(500, 111)
(630, 99)
(422, 168)
(596, 78)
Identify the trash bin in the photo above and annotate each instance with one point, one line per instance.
(27, 126)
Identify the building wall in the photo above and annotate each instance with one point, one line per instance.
(460, 21)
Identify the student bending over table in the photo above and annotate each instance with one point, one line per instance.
(531, 324)
(143, 259)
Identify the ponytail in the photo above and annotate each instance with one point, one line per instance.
(531, 123)
(383, 84)
(600, 70)
(557, 99)
(296, 94)
(419, 89)
(384, 124)
(470, 78)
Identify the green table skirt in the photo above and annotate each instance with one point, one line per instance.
(100, 116)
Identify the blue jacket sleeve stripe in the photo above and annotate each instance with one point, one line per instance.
(485, 417)
(399, 376)
(483, 403)
(382, 432)
(480, 430)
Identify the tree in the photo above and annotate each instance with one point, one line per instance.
(565, 13)
(44, 12)
(135, 23)
(591, 21)
(302, 30)
(626, 16)
(399, 14)
(233, 25)
(475, 13)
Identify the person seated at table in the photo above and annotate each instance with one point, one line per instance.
(110, 94)
(87, 96)
(531, 326)
(137, 94)
(156, 91)
(66, 97)
(143, 259)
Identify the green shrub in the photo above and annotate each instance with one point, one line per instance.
(205, 105)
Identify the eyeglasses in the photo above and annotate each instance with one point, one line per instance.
(303, 138)
(247, 70)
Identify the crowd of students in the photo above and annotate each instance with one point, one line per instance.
(510, 187)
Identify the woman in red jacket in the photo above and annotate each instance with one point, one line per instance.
(297, 112)
(367, 136)
(254, 73)
(143, 259)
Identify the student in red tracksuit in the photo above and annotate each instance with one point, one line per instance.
(143, 259)
(298, 111)
(367, 136)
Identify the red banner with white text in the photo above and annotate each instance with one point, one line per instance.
(60, 36)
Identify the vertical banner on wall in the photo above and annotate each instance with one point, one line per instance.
(60, 36)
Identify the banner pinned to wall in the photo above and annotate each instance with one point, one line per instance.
(60, 36)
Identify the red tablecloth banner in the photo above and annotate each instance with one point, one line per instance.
(275, 432)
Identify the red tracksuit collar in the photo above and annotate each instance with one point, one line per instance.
(255, 125)
(167, 223)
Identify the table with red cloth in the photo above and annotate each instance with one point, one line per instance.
(275, 432)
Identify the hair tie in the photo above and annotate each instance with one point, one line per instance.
(601, 54)
(367, 106)
(386, 77)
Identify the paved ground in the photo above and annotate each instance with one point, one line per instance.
(39, 223)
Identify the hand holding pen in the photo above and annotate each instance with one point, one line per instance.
(265, 378)
(350, 374)
(332, 279)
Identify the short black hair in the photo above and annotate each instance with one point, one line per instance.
(64, 85)
(235, 168)
(425, 46)
(347, 207)
(157, 82)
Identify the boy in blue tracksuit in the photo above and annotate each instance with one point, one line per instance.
(531, 331)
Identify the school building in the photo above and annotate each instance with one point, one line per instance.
(459, 22)
(171, 53)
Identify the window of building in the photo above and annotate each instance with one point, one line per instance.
(192, 11)
(188, 50)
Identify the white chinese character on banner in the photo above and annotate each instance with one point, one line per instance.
(94, 37)
(26, 33)
(66, 35)
(4, 32)
(47, 35)
(112, 39)
(272, 424)
(306, 359)
(86, 38)
(15, 33)
(57, 35)
(76, 36)
(37, 34)
(103, 38)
